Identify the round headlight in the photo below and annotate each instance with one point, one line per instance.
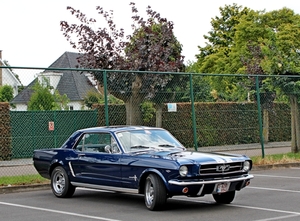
(183, 171)
(246, 166)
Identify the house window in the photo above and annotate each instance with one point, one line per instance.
(45, 81)
(71, 108)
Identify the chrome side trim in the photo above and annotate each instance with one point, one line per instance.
(71, 169)
(101, 187)
(201, 182)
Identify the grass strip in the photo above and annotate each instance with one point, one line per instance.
(22, 180)
(276, 159)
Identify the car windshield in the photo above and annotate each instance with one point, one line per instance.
(140, 140)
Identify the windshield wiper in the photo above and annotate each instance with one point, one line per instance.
(139, 147)
(165, 145)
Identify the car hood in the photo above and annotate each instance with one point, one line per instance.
(187, 157)
(208, 158)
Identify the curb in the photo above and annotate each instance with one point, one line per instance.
(275, 166)
(23, 188)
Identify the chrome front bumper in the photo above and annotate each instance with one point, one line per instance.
(215, 181)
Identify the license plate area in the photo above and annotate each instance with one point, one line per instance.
(222, 187)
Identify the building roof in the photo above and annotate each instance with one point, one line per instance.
(74, 84)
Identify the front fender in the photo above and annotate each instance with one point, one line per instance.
(144, 175)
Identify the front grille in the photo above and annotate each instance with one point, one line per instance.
(221, 169)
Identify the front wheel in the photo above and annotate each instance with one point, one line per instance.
(155, 193)
(224, 198)
(60, 184)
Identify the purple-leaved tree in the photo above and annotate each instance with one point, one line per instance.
(152, 47)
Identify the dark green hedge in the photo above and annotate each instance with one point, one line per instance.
(5, 132)
(216, 123)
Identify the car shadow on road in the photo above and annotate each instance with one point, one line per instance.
(136, 201)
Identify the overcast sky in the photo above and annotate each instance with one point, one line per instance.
(31, 36)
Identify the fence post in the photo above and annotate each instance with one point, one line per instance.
(193, 113)
(259, 117)
(54, 131)
(105, 98)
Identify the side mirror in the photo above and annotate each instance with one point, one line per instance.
(107, 149)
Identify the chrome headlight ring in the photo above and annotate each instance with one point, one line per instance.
(246, 166)
(183, 171)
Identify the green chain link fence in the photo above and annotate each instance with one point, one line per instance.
(189, 105)
(46, 129)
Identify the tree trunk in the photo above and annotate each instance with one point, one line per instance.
(295, 127)
(159, 108)
(266, 125)
(133, 111)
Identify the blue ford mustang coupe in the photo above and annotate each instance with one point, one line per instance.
(144, 160)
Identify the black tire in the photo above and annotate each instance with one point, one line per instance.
(155, 193)
(60, 183)
(224, 198)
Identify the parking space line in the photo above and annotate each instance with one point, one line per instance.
(277, 218)
(286, 177)
(291, 214)
(57, 211)
(264, 209)
(272, 189)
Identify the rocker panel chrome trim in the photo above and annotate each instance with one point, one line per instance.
(101, 187)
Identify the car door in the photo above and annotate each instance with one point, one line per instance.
(97, 160)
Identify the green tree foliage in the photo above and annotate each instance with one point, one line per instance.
(264, 43)
(60, 101)
(221, 37)
(201, 86)
(268, 42)
(244, 41)
(6, 93)
(216, 56)
(151, 47)
(93, 97)
(148, 111)
(43, 99)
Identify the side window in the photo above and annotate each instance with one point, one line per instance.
(97, 142)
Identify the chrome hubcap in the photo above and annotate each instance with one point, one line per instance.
(149, 193)
(59, 182)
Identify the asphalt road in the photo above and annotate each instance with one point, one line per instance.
(272, 195)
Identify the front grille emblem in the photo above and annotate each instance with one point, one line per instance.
(223, 168)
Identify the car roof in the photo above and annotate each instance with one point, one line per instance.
(117, 128)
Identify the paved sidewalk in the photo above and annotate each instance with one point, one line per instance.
(253, 149)
(16, 162)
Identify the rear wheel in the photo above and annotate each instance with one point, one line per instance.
(224, 198)
(155, 193)
(60, 184)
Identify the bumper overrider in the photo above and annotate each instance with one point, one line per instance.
(211, 186)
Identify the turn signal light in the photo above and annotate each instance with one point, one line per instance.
(185, 190)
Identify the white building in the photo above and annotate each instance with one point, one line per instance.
(74, 84)
(8, 78)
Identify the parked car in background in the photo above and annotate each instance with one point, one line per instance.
(142, 160)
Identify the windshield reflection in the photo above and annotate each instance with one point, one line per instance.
(140, 140)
